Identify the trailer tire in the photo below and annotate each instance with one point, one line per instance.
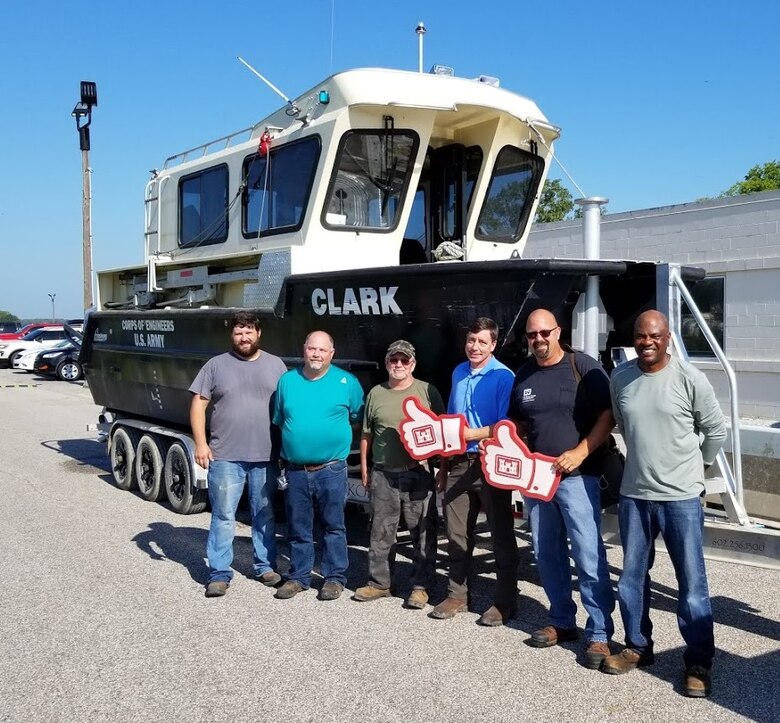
(149, 467)
(121, 453)
(179, 488)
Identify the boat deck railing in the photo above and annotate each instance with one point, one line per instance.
(218, 144)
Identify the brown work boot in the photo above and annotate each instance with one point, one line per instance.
(697, 683)
(270, 578)
(217, 588)
(625, 661)
(417, 599)
(331, 590)
(290, 589)
(367, 593)
(495, 616)
(448, 608)
(595, 654)
(550, 635)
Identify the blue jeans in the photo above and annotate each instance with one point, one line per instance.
(226, 483)
(680, 523)
(322, 493)
(574, 512)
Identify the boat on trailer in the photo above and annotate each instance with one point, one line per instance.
(380, 204)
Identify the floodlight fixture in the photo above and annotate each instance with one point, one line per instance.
(89, 93)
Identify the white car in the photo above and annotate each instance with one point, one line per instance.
(38, 340)
(26, 360)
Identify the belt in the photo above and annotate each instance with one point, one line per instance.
(313, 467)
(402, 468)
(467, 457)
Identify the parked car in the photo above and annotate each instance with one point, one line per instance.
(61, 361)
(43, 338)
(25, 362)
(24, 330)
(10, 327)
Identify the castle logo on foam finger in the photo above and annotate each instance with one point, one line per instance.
(425, 434)
(507, 463)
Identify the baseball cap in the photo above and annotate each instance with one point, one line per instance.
(400, 346)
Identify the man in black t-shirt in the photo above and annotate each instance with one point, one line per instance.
(560, 402)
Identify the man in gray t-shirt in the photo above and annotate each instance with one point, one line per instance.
(239, 385)
(673, 428)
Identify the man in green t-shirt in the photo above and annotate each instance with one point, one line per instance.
(397, 483)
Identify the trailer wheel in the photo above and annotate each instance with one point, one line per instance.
(121, 452)
(178, 475)
(149, 468)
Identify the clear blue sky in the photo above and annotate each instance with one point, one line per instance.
(660, 103)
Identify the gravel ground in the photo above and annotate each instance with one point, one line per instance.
(103, 618)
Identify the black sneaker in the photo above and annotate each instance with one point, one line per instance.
(331, 591)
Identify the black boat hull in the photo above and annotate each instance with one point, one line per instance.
(141, 362)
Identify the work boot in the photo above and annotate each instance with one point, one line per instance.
(495, 616)
(595, 654)
(697, 683)
(551, 635)
(368, 593)
(448, 608)
(217, 588)
(626, 661)
(331, 590)
(270, 578)
(417, 599)
(290, 589)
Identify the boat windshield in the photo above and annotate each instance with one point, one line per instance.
(510, 196)
(370, 179)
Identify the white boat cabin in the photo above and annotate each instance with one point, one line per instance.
(371, 168)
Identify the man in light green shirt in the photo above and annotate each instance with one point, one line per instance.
(673, 428)
(397, 483)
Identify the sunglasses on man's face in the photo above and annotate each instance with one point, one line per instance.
(400, 360)
(544, 333)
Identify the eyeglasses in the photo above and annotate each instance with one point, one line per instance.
(400, 360)
(544, 333)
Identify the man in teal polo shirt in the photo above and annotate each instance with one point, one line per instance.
(315, 407)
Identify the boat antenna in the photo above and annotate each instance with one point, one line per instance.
(420, 32)
(293, 109)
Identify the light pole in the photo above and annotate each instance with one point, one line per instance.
(82, 111)
(53, 315)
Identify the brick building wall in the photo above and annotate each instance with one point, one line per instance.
(737, 238)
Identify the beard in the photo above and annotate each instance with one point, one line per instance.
(247, 349)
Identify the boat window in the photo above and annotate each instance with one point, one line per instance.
(370, 179)
(709, 295)
(473, 162)
(203, 207)
(277, 187)
(510, 195)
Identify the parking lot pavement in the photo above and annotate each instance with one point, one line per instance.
(103, 618)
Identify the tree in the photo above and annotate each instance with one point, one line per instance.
(759, 178)
(8, 316)
(555, 204)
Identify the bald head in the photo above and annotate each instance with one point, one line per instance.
(651, 341)
(543, 334)
(541, 317)
(656, 318)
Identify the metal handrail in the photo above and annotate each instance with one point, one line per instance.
(203, 149)
(734, 481)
